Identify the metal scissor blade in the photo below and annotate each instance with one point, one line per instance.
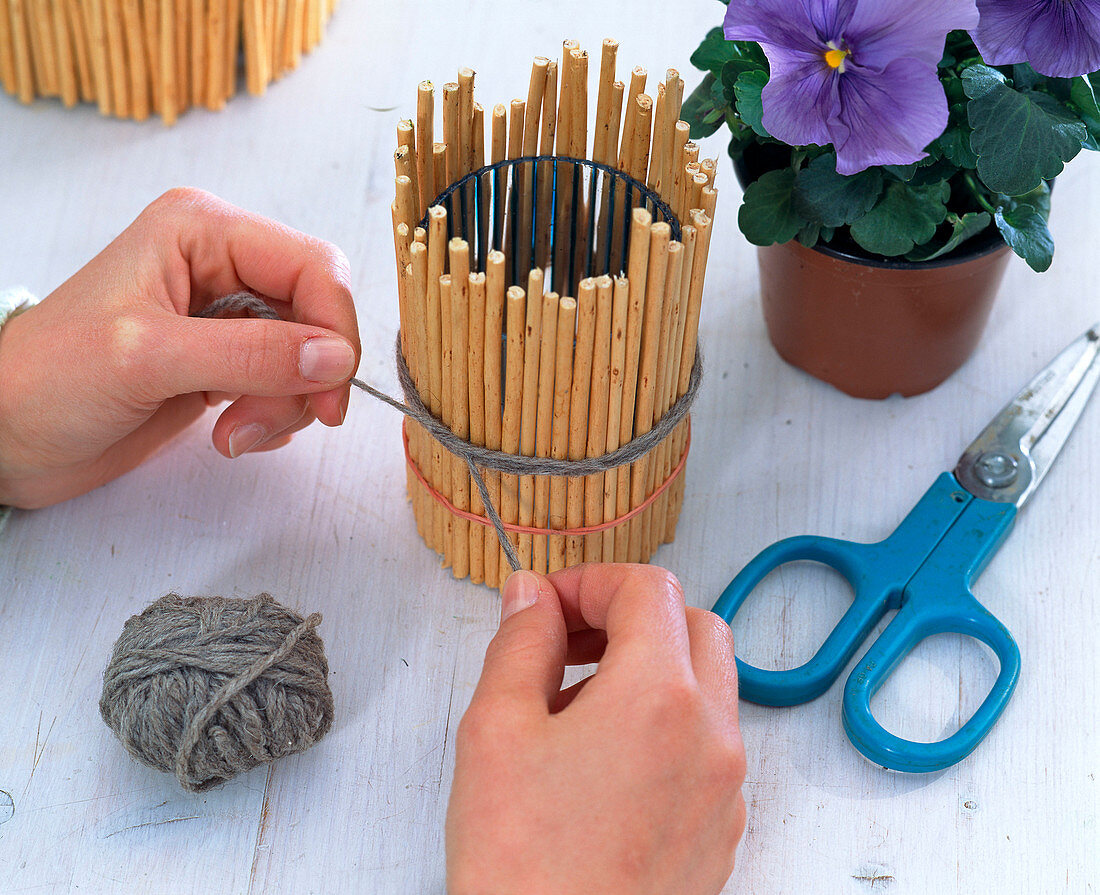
(1009, 458)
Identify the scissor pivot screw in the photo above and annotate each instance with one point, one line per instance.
(996, 470)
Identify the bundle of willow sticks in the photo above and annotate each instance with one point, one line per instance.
(549, 303)
(136, 57)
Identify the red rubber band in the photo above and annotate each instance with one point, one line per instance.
(525, 529)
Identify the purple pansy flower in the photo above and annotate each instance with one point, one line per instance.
(860, 74)
(1060, 38)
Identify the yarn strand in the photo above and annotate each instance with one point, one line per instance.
(480, 458)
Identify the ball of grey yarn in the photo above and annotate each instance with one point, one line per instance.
(208, 687)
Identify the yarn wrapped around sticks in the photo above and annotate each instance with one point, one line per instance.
(207, 687)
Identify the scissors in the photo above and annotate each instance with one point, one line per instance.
(925, 568)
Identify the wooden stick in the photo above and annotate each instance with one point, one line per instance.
(643, 125)
(233, 15)
(476, 380)
(292, 44)
(7, 51)
(421, 352)
(458, 251)
(526, 173)
(450, 527)
(425, 116)
(544, 424)
(74, 13)
(183, 57)
(602, 139)
(709, 166)
(672, 189)
(596, 442)
(674, 97)
(66, 69)
(466, 138)
(546, 169)
(659, 138)
(439, 390)
(452, 133)
(483, 193)
(215, 54)
(512, 229)
(97, 36)
(559, 429)
(702, 225)
(465, 118)
(513, 408)
(199, 68)
(529, 411)
(578, 148)
(406, 136)
(255, 56)
(579, 419)
(401, 242)
(637, 88)
(167, 63)
(439, 167)
(43, 56)
(499, 153)
(406, 204)
(493, 396)
(656, 278)
(617, 373)
(653, 520)
(637, 266)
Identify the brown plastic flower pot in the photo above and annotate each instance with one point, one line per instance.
(877, 328)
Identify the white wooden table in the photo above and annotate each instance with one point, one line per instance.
(324, 525)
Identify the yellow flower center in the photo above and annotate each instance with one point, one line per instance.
(835, 56)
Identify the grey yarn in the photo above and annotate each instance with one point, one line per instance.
(478, 457)
(207, 687)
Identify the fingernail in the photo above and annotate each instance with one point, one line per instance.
(326, 359)
(521, 591)
(244, 438)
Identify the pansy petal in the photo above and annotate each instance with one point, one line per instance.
(1059, 39)
(1002, 30)
(778, 22)
(881, 31)
(888, 118)
(1065, 41)
(799, 98)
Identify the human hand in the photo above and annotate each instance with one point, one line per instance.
(110, 365)
(628, 782)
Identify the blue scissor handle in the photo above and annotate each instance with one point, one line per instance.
(938, 601)
(873, 582)
(878, 574)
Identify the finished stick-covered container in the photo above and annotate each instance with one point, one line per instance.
(550, 275)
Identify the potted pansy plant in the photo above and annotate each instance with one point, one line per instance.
(894, 153)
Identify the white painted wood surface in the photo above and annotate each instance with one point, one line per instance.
(324, 525)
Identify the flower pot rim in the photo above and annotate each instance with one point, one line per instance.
(982, 246)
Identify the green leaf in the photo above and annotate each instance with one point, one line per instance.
(749, 105)
(767, 215)
(1083, 97)
(901, 172)
(1025, 230)
(1020, 139)
(714, 52)
(962, 228)
(905, 216)
(821, 194)
(955, 141)
(698, 110)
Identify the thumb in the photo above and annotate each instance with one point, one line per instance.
(525, 661)
(250, 357)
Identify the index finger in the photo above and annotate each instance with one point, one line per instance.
(640, 607)
(224, 249)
